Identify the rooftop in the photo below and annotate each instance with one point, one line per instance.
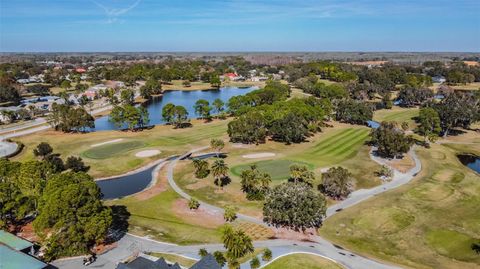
(18, 259)
(13, 241)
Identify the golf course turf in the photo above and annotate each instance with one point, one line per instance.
(428, 223)
(303, 261)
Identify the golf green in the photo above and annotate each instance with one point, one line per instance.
(277, 169)
(110, 150)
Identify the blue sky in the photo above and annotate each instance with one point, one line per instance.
(239, 25)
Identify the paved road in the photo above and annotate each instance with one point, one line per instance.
(39, 124)
(130, 244)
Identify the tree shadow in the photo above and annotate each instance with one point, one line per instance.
(223, 181)
(119, 228)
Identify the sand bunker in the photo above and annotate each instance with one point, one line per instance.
(147, 153)
(259, 155)
(107, 142)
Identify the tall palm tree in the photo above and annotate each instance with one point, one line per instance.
(219, 169)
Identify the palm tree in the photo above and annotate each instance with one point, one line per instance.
(219, 170)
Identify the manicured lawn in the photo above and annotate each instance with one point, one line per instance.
(278, 169)
(198, 85)
(342, 145)
(172, 258)
(304, 261)
(156, 217)
(397, 114)
(118, 158)
(111, 150)
(429, 223)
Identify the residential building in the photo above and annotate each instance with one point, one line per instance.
(439, 79)
(19, 252)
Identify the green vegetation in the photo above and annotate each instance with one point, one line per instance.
(172, 258)
(294, 205)
(113, 149)
(277, 169)
(396, 114)
(408, 226)
(303, 261)
(170, 141)
(169, 226)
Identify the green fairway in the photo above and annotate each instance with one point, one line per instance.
(117, 158)
(111, 150)
(304, 261)
(277, 169)
(338, 146)
(429, 223)
(453, 244)
(397, 114)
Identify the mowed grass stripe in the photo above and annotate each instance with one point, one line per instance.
(352, 147)
(340, 153)
(332, 140)
(335, 143)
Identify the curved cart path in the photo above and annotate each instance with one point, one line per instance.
(131, 244)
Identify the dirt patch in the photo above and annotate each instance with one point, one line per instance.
(147, 153)
(159, 186)
(198, 185)
(201, 216)
(106, 142)
(288, 234)
(259, 155)
(241, 146)
(26, 232)
(403, 165)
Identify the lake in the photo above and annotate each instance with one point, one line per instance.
(471, 161)
(183, 98)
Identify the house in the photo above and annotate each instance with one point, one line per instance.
(93, 91)
(114, 84)
(147, 262)
(80, 70)
(439, 79)
(19, 252)
(8, 113)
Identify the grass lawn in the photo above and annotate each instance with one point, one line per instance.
(111, 150)
(304, 261)
(172, 258)
(342, 145)
(157, 218)
(397, 114)
(469, 86)
(177, 85)
(428, 223)
(277, 169)
(118, 158)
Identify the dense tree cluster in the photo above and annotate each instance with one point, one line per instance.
(255, 183)
(130, 116)
(175, 115)
(390, 140)
(294, 205)
(70, 119)
(285, 121)
(458, 110)
(151, 87)
(68, 212)
(409, 96)
(353, 111)
(71, 210)
(337, 183)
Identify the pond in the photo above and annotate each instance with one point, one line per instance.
(373, 124)
(183, 98)
(471, 161)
